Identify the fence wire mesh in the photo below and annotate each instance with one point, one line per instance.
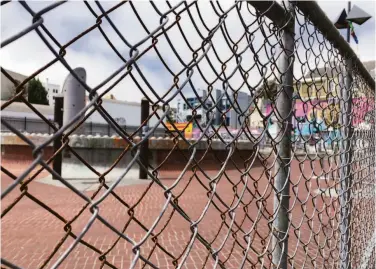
(302, 194)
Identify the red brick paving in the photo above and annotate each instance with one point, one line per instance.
(30, 233)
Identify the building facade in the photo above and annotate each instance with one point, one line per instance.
(227, 111)
(52, 91)
(7, 86)
(8, 89)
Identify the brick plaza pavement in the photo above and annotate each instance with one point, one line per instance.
(33, 237)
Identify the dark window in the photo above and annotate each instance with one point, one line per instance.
(192, 102)
(197, 117)
(227, 121)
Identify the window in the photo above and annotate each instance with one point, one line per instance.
(193, 102)
(185, 107)
(227, 121)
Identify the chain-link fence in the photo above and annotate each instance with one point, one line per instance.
(298, 192)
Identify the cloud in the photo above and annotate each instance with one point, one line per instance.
(176, 46)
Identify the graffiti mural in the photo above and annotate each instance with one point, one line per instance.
(324, 116)
(316, 120)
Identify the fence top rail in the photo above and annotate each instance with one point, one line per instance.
(274, 11)
(317, 16)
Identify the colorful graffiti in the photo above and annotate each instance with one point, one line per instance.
(319, 119)
(323, 115)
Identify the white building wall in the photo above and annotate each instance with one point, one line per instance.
(52, 90)
(125, 113)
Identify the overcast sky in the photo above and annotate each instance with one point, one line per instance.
(29, 53)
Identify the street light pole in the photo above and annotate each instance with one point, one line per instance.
(348, 26)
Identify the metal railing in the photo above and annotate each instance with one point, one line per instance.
(279, 207)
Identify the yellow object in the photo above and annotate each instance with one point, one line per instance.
(109, 96)
(180, 126)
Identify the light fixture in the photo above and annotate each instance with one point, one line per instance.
(341, 22)
(358, 16)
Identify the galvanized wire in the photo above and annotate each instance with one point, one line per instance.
(318, 185)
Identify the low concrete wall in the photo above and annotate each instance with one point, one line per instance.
(102, 152)
(106, 142)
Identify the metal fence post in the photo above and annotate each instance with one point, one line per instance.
(345, 161)
(284, 110)
(58, 119)
(25, 124)
(144, 149)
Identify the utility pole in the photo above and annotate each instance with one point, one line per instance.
(348, 26)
